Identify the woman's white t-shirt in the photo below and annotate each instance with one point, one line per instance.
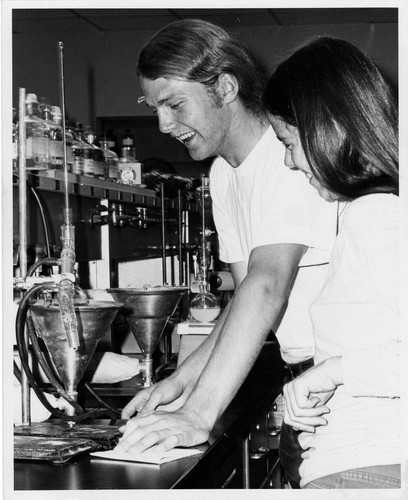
(356, 316)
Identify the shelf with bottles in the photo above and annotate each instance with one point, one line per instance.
(44, 133)
(97, 167)
(90, 187)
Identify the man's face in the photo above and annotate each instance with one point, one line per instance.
(190, 114)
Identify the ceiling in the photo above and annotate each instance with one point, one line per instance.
(77, 20)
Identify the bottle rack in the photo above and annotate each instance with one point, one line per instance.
(53, 181)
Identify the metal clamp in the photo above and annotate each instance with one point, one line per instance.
(261, 452)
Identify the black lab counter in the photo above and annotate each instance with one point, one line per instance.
(221, 458)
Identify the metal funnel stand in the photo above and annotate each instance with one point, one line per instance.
(147, 311)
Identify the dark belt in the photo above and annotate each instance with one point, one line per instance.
(294, 370)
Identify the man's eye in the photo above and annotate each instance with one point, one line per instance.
(176, 106)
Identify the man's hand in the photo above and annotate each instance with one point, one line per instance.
(168, 394)
(306, 396)
(163, 430)
(171, 393)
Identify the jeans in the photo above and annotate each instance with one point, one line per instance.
(379, 476)
(289, 448)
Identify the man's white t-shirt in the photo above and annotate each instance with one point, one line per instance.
(263, 202)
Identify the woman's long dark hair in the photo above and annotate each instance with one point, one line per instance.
(198, 51)
(346, 114)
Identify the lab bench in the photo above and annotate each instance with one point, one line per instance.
(240, 452)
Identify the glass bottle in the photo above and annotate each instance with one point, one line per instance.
(98, 156)
(37, 136)
(113, 142)
(55, 131)
(77, 151)
(57, 120)
(110, 136)
(88, 152)
(111, 161)
(130, 169)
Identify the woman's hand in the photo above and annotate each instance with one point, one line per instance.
(307, 395)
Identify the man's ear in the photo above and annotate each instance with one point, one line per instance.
(228, 87)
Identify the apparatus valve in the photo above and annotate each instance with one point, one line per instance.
(207, 232)
(116, 215)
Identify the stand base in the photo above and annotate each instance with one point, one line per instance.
(56, 450)
(58, 442)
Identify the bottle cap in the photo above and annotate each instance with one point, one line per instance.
(31, 98)
(127, 139)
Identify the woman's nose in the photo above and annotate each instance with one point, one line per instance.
(288, 159)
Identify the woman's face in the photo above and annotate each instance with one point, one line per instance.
(295, 157)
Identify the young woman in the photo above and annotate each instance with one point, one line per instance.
(337, 117)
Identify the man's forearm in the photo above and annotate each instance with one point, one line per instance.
(197, 360)
(235, 350)
(258, 305)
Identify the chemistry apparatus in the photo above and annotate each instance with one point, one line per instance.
(148, 309)
(205, 306)
(63, 328)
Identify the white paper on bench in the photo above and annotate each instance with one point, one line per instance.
(148, 457)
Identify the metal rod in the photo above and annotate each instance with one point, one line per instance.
(180, 240)
(64, 139)
(22, 172)
(66, 289)
(164, 264)
(22, 203)
(187, 242)
(204, 262)
(246, 479)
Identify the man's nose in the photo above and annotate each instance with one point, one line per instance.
(166, 122)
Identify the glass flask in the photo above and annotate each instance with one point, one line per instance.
(205, 306)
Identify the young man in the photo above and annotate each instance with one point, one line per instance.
(274, 230)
